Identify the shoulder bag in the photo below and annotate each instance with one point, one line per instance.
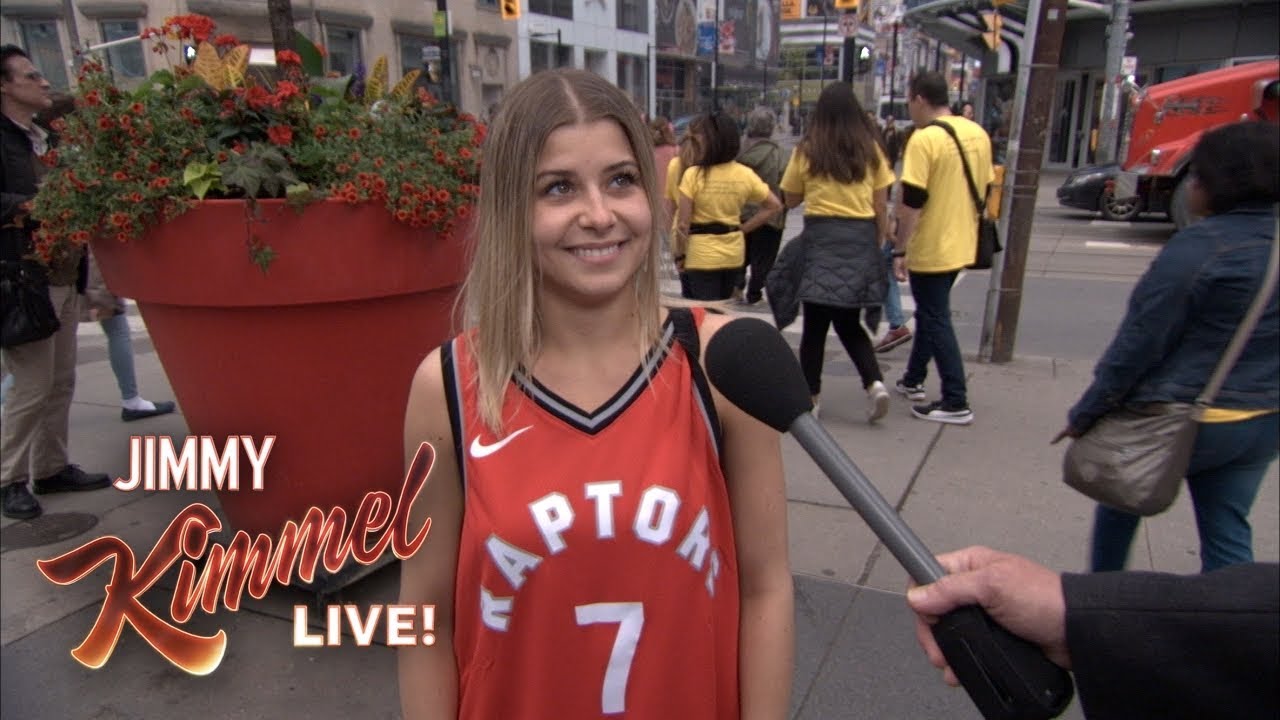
(1135, 457)
(988, 232)
(28, 312)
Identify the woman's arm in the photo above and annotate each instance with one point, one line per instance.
(880, 203)
(793, 199)
(758, 502)
(429, 674)
(684, 219)
(1159, 307)
(770, 207)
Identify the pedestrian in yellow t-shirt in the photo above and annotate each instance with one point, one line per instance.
(937, 237)
(709, 240)
(835, 268)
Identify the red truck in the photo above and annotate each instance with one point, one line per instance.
(1169, 118)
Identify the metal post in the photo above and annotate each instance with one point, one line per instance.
(1117, 38)
(893, 68)
(73, 34)
(822, 61)
(715, 64)
(1037, 67)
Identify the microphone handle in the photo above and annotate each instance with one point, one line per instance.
(1007, 677)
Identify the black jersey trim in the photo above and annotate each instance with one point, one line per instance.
(593, 423)
(453, 399)
(687, 334)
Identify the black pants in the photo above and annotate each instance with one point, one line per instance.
(762, 250)
(709, 284)
(813, 340)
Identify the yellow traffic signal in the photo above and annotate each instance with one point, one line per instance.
(992, 35)
(510, 9)
(847, 4)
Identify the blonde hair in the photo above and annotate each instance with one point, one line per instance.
(501, 289)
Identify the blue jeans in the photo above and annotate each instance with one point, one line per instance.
(1227, 466)
(935, 338)
(120, 353)
(892, 298)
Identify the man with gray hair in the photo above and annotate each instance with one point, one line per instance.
(762, 154)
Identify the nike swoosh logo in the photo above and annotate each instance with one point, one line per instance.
(479, 449)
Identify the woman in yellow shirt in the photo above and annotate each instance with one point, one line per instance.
(709, 241)
(835, 268)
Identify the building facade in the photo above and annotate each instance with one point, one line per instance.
(354, 33)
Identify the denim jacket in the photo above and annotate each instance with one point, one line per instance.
(1181, 317)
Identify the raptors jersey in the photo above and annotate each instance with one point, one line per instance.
(597, 573)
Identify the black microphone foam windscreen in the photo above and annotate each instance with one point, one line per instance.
(752, 365)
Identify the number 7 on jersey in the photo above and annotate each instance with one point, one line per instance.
(630, 619)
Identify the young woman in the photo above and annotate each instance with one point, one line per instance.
(712, 194)
(836, 270)
(608, 533)
(1181, 317)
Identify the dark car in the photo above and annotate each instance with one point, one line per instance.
(1089, 188)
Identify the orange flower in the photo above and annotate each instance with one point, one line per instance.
(226, 41)
(280, 134)
(288, 57)
(354, 133)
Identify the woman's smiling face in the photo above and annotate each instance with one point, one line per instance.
(592, 223)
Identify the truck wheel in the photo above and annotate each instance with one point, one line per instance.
(1179, 207)
(1118, 209)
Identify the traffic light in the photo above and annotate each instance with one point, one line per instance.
(992, 35)
(510, 9)
(856, 60)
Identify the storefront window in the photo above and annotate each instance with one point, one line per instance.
(126, 61)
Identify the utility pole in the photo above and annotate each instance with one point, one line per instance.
(715, 65)
(1038, 66)
(280, 18)
(1117, 39)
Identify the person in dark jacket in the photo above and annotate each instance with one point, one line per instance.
(843, 178)
(33, 430)
(1140, 644)
(1181, 316)
(762, 154)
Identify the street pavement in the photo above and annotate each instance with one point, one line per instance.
(995, 482)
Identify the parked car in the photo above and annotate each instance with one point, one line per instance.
(1090, 188)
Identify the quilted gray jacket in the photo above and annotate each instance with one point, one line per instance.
(835, 262)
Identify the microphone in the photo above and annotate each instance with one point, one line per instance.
(1007, 677)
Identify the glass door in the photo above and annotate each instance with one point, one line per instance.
(1062, 135)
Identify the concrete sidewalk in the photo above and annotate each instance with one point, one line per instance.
(995, 482)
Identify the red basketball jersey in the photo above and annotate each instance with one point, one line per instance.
(597, 572)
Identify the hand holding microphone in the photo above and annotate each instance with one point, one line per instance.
(1007, 677)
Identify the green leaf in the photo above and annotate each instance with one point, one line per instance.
(312, 60)
(200, 187)
(200, 171)
(262, 255)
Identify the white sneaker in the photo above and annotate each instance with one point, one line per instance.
(879, 399)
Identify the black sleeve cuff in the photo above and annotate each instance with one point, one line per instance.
(914, 196)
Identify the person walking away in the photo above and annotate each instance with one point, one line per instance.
(937, 236)
(36, 412)
(762, 154)
(1181, 315)
(712, 194)
(834, 269)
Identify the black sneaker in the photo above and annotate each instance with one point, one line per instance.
(162, 408)
(937, 412)
(912, 392)
(71, 479)
(19, 503)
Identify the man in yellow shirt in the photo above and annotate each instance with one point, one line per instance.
(937, 237)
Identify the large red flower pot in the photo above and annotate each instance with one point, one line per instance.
(319, 351)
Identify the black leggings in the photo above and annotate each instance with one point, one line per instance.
(817, 318)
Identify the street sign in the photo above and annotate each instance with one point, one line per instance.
(1129, 66)
(792, 9)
